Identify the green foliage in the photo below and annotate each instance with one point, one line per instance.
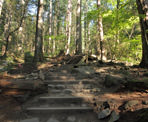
(28, 57)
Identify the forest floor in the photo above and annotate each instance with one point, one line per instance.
(124, 88)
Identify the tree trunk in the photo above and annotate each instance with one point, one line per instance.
(38, 57)
(1, 6)
(55, 26)
(69, 14)
(7, 32)
(78, 29)
(101, 34)
(142, 7)
(50, 23)
(86, 27)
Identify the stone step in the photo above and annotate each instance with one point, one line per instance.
(59, 109)
(58, 74)
(57, 104)
(69, 81)
(63, 117)
(61, 99)
(62, 77)
(71, 86)
(64, 99)
(60, 92)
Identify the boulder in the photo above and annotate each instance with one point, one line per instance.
(30, 120)
(71, 119)
(114, 117)
(111, 81)
(104, 113)
(130, 104)
(86, 70)
(52, 120)
(41, 75)
(102, 105)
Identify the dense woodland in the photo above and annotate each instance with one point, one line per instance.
(71, 56)
(109, 29)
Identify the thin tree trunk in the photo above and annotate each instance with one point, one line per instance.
(55, 27)
(50, 22)
(69, 25)
(142, 7)
(101, 34)
(86, 27)
(8, 33)
(117, 21)
(78, 29)
(1, 6)
(38, 57)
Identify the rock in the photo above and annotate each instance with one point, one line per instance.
(22, 98)
(145, 102)
(51, 86)
(111, 81)
(106, 105)
(30, 120)
(71, 119)
(85, 70)
(104, 113)
(52, 120)
(60, 87)
(103, 105)
(41, 75)
(114, 117)
(96, 90)
(68, 91)
(130, 104)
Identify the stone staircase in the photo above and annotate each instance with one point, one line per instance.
(63, 102)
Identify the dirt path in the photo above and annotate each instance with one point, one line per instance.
(77, 92)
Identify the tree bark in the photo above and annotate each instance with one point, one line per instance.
(143, 10)
(142, 6)
(86, 28)
(101, 34)
(50, 22)
(69, 22)
(1, 6)
(7, 32)
(78, 29)
(38, 56)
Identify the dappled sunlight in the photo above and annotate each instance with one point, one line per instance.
(125, 96)
(12, 92)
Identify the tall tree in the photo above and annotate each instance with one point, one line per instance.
(69, 22)
(38, 56)
(50, 21)
(142, 6)
(8, 32)
(101, 34)
(1, 6)
(78, 28)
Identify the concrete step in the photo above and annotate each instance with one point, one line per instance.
(58, 104)
(60, 92)
(71, 86)
(63, 117)
(61, 99)
(59, 109)
(84, 81)
(62, 77)
(64, 99)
